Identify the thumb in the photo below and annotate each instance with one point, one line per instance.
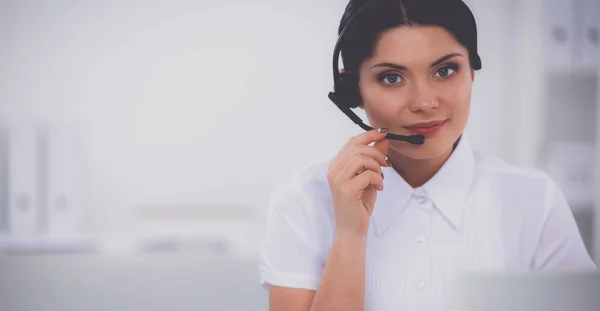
(382, 145)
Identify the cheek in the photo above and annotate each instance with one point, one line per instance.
(381, 103)
(383, 108)
(457, 96)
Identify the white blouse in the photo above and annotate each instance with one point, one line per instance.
(477, 212)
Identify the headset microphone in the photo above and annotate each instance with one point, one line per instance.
(344, 95)
(411, 139)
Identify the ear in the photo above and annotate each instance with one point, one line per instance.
(361, 105)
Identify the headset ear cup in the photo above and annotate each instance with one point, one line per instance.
(351, 93)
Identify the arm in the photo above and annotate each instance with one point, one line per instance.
(291, 264)
(292, 299)
(560, 245)
(314, 263)
(294, 271)
(343, 284)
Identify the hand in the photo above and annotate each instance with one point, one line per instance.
(354, 177)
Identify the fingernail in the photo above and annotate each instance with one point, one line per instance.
(382, 130)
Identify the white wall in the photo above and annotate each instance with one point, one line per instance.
(213, 103)
(200, 103)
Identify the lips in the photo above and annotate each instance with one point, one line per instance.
(426, 128)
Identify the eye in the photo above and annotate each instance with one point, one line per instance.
(391, 78)
(446, 71)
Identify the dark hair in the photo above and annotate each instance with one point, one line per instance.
(378, 16)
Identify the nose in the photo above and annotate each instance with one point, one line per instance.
(422, 98)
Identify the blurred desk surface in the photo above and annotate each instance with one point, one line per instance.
(149, 283)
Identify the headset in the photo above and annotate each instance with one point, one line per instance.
(344, 96)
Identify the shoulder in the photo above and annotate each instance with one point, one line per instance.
(307, 182)
(299, 229)
(492, 165)
(524, 187)
(305, 191)
(304, 198)
(535, 212)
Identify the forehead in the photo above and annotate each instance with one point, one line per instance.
(415, 45)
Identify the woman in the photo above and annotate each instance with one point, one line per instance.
(385, 225)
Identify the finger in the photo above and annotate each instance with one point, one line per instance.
(361, 140)
(338, 161)
(358, 164)
(368, 151)
(374, 153)
(365, 179)
(368, 137)
(382, 146)
(371, 205)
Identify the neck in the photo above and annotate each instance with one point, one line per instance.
(417, 172)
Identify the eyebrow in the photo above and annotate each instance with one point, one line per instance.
(400, 67)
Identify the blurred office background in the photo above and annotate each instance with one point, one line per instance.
(140, 140)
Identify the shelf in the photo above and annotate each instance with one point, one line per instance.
(37, 245)
(584, 71)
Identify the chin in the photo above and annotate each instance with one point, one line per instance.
(431, 149)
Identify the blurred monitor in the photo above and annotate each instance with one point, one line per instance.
(521, 291)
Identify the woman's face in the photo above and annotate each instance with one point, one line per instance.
(418, 81)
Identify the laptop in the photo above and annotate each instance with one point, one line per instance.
(130, 283)
(522, 291)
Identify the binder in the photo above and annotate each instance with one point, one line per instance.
(4, 187)
(558, 33)
(65, 181)
(22, 166)
(41, 186)
(591, 34)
